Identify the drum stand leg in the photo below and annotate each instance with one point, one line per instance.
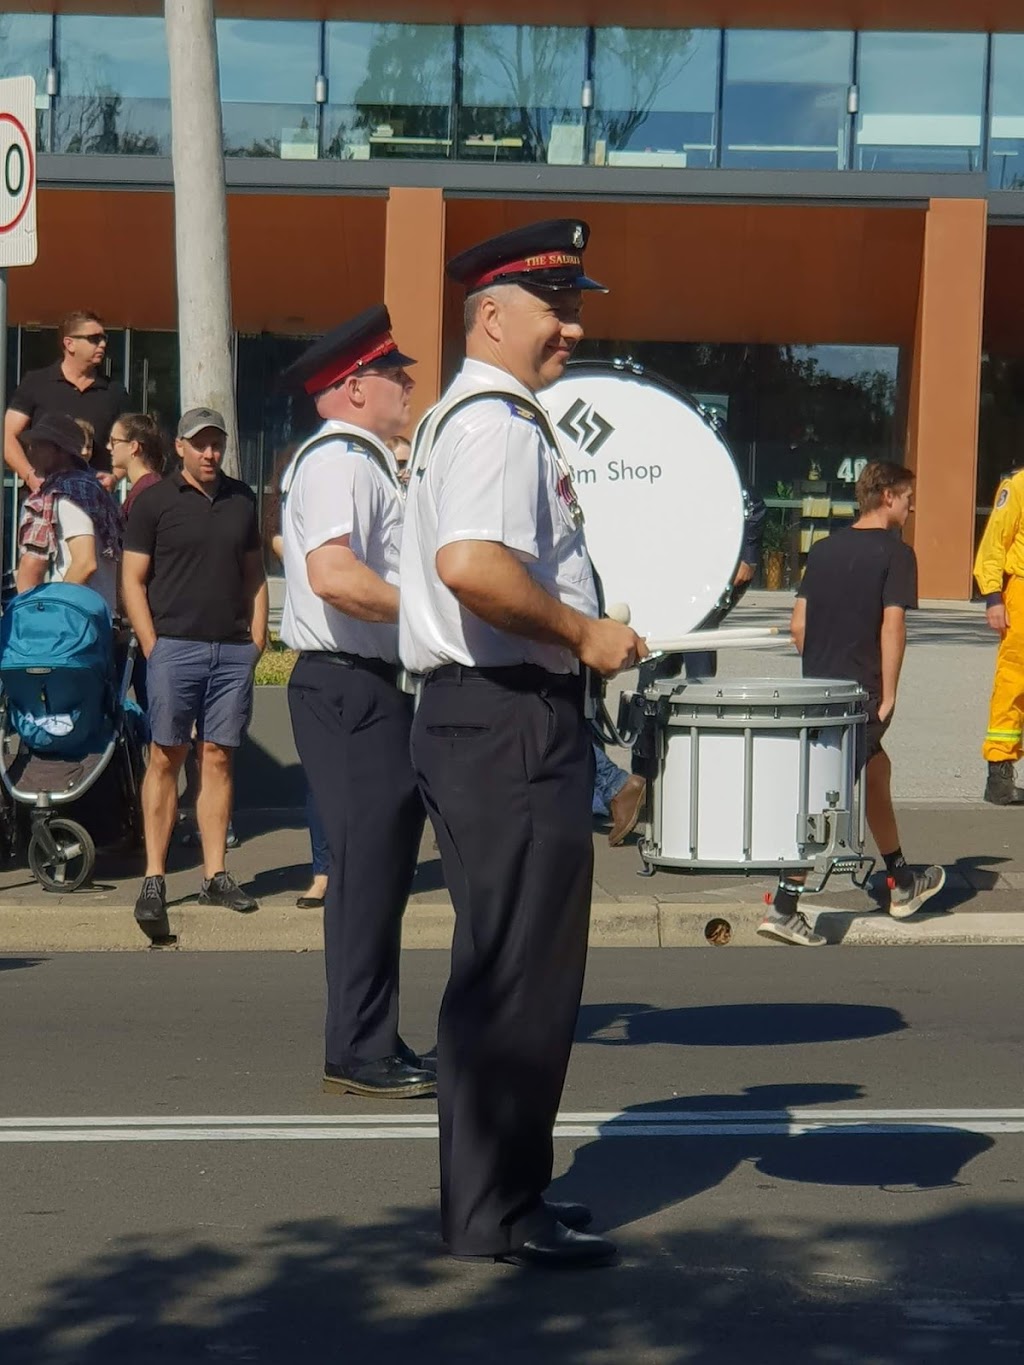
(846, 867)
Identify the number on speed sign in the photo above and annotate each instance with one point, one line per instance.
(18, 171)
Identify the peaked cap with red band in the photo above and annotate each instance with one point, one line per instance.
(545, 256)
(365, 340)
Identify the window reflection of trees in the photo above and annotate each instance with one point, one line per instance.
(407, 89)
(538, 67)
(25, 51)
(94, 117)
(647, 62)
(101, 122)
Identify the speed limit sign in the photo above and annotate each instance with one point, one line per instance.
(18, 243)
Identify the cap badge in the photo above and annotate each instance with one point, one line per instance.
(577, 236)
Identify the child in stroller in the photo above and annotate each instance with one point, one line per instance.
(65, 720)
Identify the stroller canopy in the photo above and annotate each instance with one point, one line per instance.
(56, 668)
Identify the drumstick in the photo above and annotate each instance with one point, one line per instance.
(750, 637)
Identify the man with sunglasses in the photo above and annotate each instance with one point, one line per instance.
(74, 386)
(341, 521)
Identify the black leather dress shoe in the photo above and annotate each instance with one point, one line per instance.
(406, 1054)
(390, 1078)
(575, 1216)
(560, 1248)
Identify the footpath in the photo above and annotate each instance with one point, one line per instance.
(981, 847)
(938, 777)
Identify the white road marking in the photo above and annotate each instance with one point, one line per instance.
(403, 1127)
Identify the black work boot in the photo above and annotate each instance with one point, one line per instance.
(1001, 788)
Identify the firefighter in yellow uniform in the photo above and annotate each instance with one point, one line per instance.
(999, 573)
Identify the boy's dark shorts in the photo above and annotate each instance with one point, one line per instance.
(874, 732)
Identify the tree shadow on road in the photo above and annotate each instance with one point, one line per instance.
(943, 1289)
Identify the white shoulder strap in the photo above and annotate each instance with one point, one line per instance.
(352, 438)
(432, 423)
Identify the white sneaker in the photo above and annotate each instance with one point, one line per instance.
(906, 902)
(792, 929)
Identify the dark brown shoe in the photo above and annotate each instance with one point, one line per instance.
(625, 809)
(1001, 788)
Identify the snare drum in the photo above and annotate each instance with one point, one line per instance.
(661, 496)
(759, 773)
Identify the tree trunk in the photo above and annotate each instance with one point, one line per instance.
(200, 216)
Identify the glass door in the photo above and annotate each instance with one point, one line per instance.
(153, 376)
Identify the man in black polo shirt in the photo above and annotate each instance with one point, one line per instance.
(74, 386)
(196, 595)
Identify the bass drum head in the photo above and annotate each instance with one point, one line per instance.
(659, 490)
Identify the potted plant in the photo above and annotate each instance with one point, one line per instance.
(775, 541)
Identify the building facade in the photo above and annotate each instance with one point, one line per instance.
(810, 212)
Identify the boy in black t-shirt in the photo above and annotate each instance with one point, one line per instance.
(849, 621)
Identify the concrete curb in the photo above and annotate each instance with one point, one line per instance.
(70, 926)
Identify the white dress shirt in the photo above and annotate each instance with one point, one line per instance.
(490, 476)
(339, 489)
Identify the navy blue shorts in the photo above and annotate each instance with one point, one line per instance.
(206, 686)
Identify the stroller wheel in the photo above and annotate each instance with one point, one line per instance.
(70, 861)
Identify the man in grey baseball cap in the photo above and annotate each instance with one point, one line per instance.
(197, 420)
(196, 595)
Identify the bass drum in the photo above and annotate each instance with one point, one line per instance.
(660, 492)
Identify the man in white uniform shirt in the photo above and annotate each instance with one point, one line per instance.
(498, 610)
(341, 525)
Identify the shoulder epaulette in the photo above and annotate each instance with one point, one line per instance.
(520, 410)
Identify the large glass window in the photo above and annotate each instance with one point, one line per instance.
(521, 94)
(920, 98)
(655, 95)
(390, 90)
(114, 86)
(785, 99)
(25, 51)
(268, 71)
(1006, 151)
(801, 422)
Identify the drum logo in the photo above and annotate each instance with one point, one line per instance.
(586, 427)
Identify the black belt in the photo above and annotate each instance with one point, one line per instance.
(380, 667)
(516, 677)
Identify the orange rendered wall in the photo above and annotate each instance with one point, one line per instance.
(734, 272)
(413, 287)
(937, 15)
(942, 427)
(299, 264)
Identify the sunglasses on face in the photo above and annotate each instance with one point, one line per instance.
(97, 338)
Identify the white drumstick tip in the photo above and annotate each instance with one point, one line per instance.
(618, 611)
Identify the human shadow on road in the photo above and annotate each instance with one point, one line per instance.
(757, 1025)
(13, 964)
(628, 1187)
(742, 1288)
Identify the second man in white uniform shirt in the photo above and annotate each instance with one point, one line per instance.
(341, 525)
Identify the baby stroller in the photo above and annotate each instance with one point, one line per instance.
(66, 726)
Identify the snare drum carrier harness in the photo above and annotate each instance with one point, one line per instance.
(426, 438)
(374, 452)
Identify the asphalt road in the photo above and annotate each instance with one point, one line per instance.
(816, 1160)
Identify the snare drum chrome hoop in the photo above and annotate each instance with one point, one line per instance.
(758, 773)
(659, 489)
